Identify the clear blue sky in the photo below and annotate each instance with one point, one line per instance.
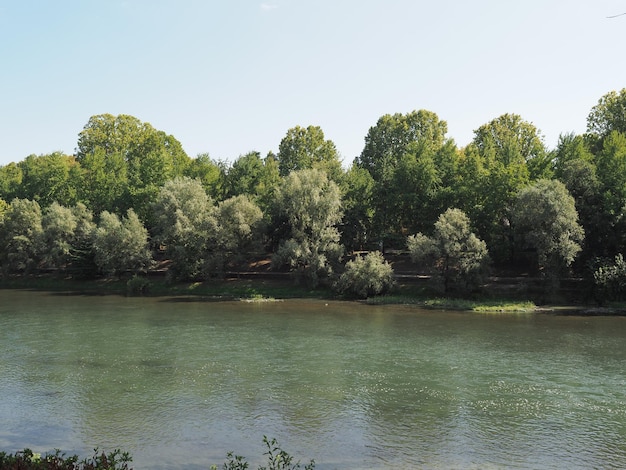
(230, 76)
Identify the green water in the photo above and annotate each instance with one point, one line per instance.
(180, 383)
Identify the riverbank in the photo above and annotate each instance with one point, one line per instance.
(246, 287)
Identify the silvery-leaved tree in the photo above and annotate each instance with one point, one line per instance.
(239, 234)
(458, 255)
(186, 224)
(20, 235)
(308, 204)
(120, 245)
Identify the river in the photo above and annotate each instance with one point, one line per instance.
(179, 382)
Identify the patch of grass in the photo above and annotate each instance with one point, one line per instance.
(394, 300)
(257, 290)
(506, 307)
(440, 303)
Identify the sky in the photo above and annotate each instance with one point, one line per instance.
(226, 77)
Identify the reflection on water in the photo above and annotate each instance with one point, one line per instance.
(178, 384)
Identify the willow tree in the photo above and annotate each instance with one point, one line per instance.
(120, 245)
(308, 204)
(20, 235)
(185, 223)
(459, 256)
(239, 234)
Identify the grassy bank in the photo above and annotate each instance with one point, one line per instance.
(442, 303)
(263, 288)
(247, 289)
(223, 289)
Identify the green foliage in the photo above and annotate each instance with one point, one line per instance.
(357, 187)
(608, 115)
(49, 178)
(137, 285)
(571, 147)
(579, 176)
(610, 279)
(407, 156)
(134, 156)
(277, 459)
(240, 231)
(504, 156)
(20, 236)
(27, 460)
(233, 462)
(310, 206)
(186, 221)
(104, 181)
(121, 245)
(457, 253)
(245, 175)
(546, 221)
(408, 173)
(3, 208)
(509, 139)
(81, 249)
(391, 137)
(306, 148)
(10, 181)
(366, 276)
(611, 171)
(59, 225)
(210, 173)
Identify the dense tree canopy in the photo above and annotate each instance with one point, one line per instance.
(128, 160)
(546, 221)
(304, 207)
(505, 155)
(608, 115)
(407, 157)
(306, 148)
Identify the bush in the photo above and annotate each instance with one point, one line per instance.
(366, 276)
(610, 279)
(27, 460)
(137, 285)
(277, 459)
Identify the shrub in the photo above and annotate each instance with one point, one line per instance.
(366, 276)
(137, 285)
(610, 279)
(277, 459)
(27, 460)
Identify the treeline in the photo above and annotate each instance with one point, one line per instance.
(131, 188)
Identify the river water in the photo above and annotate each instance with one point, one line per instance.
(179, 382)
